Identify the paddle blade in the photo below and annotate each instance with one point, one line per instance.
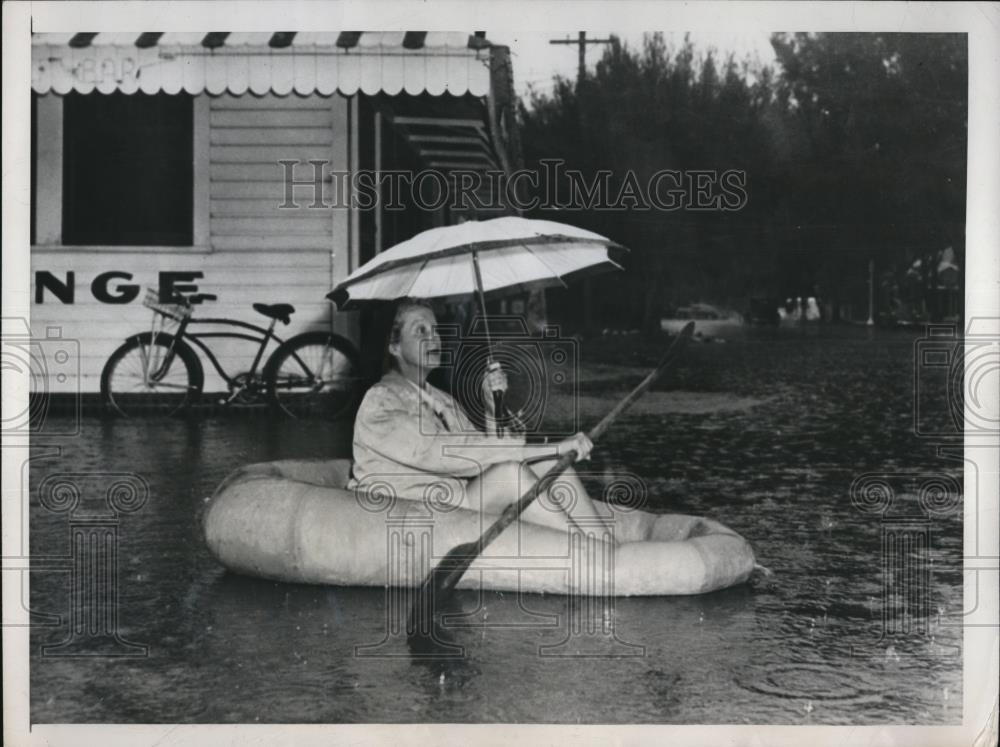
(424, 631)
(446, 575)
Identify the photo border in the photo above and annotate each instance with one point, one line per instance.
(980, 21)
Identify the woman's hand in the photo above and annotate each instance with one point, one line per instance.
(578, 443)
(494, 380)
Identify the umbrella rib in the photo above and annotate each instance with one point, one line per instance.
(545, 265)
(416, 275)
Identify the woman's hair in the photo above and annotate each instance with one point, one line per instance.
(404, 305)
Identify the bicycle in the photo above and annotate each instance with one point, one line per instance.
(312, 373)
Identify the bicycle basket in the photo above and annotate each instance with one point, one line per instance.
(176, 311)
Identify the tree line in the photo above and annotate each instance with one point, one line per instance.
(853, 148)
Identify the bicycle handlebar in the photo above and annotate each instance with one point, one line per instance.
(198, 298)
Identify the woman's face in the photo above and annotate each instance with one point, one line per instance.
(419, 346)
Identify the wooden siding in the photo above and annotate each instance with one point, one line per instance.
(258, 251)
(248, 137)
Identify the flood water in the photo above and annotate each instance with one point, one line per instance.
(787, 421)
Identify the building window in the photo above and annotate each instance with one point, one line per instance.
(128, 176)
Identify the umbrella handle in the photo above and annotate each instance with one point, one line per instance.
(497, 396)
(499, 414)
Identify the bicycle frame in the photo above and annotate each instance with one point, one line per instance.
(265, 336)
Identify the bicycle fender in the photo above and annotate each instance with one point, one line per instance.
(146, 338)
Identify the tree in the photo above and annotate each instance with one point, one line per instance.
(884, 120)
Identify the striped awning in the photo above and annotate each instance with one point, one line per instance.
(279, 62)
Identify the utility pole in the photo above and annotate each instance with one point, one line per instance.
(581, 73)
(582, 41)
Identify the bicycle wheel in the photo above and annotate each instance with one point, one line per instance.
(144, 376)
(314, 374)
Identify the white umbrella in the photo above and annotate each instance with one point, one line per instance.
(511, 253)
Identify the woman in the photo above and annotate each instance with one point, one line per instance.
(415, 438)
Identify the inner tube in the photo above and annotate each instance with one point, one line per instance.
(294, 521)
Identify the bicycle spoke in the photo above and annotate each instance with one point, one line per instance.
(130, 384)
(314, 379)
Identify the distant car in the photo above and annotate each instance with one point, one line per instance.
(709, 320)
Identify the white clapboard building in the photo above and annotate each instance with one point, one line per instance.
(221, 162)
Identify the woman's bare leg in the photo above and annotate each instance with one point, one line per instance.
(568, 495)
(502, 484)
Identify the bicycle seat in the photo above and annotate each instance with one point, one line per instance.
(280, 311)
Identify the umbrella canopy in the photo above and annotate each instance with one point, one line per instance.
(512, 253)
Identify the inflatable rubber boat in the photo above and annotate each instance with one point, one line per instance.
(295, 521)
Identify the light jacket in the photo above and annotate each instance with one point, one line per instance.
(421, 442)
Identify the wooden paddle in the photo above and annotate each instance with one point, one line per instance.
(443, 578)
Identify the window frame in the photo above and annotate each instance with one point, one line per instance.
(49, 185)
